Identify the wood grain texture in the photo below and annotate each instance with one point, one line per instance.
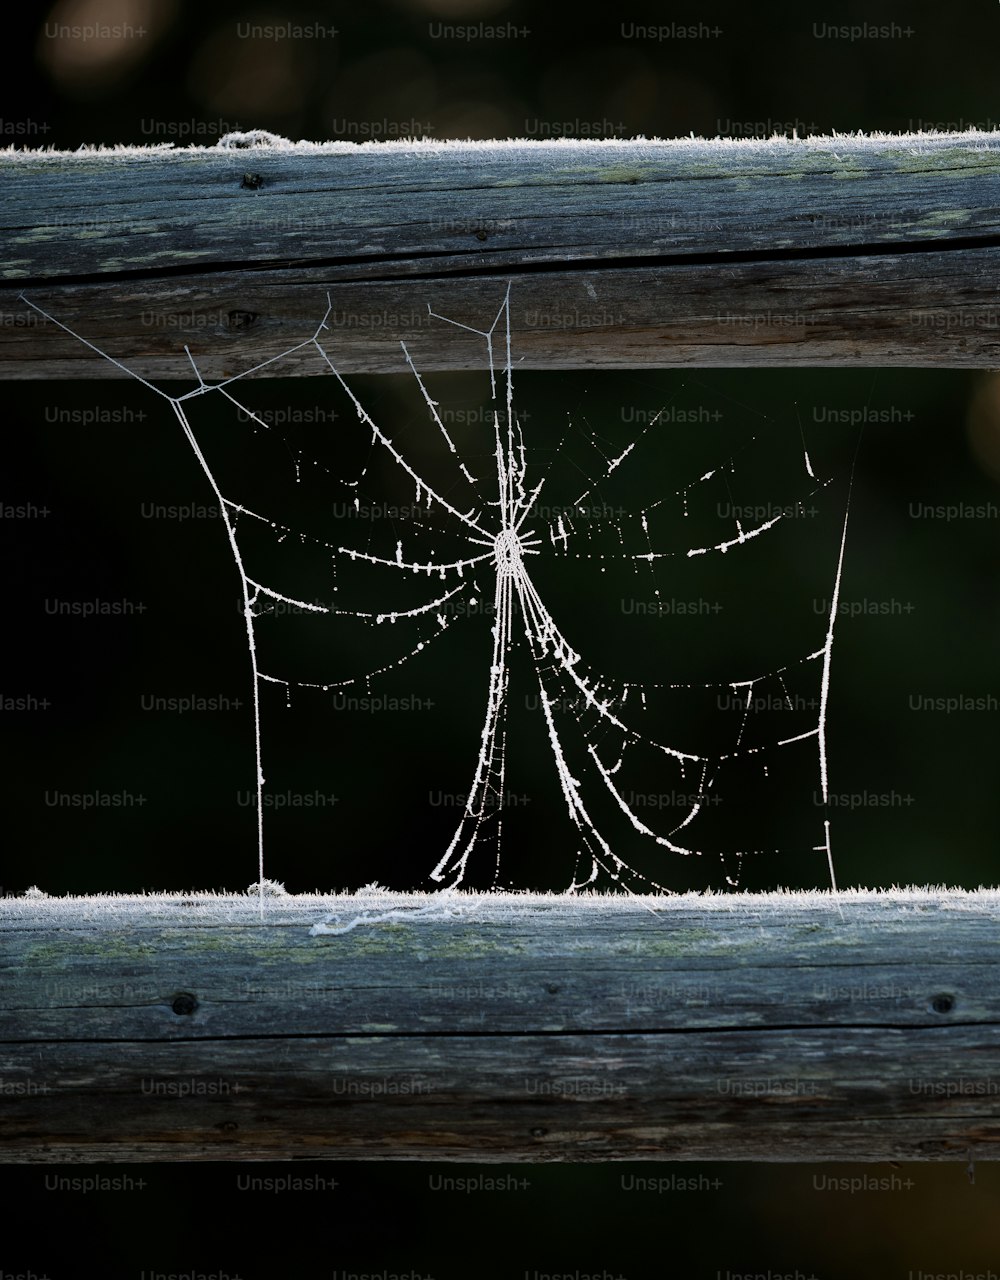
(748, 1027)
(824, 251)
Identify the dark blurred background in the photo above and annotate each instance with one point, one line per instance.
(86, 464)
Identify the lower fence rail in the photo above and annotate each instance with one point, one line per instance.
(501, 1027)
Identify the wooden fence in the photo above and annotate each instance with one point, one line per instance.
(772, 1027)
(728, 1027)
(827, 251)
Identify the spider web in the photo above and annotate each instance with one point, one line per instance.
(473, 532)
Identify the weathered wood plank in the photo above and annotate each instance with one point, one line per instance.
(493, 1027)
(824, 251)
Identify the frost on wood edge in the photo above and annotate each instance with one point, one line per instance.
(262, 140)
(208, 907)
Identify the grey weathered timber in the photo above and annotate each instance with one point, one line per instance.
(861, 1026)
(858, 250)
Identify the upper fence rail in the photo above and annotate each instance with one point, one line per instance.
(863, 250)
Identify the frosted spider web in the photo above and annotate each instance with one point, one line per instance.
(485, 524)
